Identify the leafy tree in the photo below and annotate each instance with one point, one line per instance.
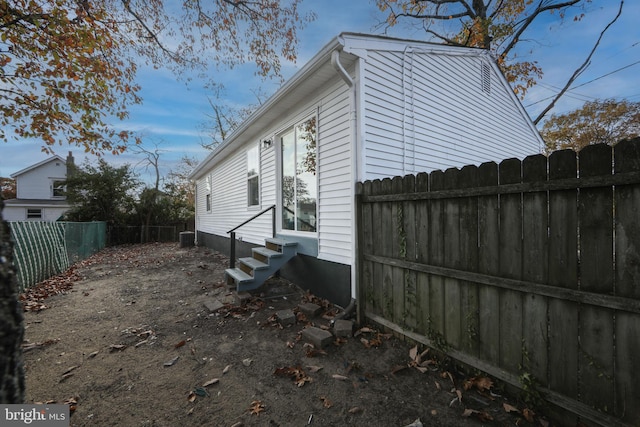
(499, 26)
(67, 67)
(7, 188)
(597, 122)
(101, 193)
(180, 189)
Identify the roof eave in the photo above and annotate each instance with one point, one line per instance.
(37, 165)
(323, 56)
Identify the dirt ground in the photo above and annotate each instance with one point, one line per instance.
(130, 342)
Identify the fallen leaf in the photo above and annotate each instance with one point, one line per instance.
(117, 347)
(65, 376)
(92, 354)
(363, 331)
(413, 353)
(191, 397)
(447, 374)
(226, 369)
(313, 352)
(457, 398)
(172, 361)
(326, 402)
(468, 412)
(30, 346)
(298, 375)
(314, 369)
(180, 344)
(201, 391)
(355, 410)
(528, 414)
(481, 415)
(256, 407)
(399, 368)
(339, 377)
(72, 402)
(508, 408)
(70, 369)
(481, 383)
(211, 382)
(247, 362)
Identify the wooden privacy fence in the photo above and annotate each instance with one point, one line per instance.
(528, 270)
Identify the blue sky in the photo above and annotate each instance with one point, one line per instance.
(173, 114)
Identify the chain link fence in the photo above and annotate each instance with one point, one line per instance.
(44, 249)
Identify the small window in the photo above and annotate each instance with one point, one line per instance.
(34, 213)
(58, 189)
(208, 196)
(253, 176)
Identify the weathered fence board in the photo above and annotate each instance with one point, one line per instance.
(469, 253)
(627, 284)
(422, 255)
(489, 264)
(511, 267)
(596, 275)
(527, 269)
(535, 244)
(436, 257)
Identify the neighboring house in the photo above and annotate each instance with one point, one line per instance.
(364, 107)
(40, 192)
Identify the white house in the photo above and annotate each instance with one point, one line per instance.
(40, 192)
(364, 107)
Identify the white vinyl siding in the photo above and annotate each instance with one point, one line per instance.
(334, 177)
(416, 111)
(438, 102)
(38, 183)
(229, 201)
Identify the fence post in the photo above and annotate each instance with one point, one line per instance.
(232, 253)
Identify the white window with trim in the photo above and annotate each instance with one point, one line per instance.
(299, 184)
(253, 176)
(207, 196)
(58, 188)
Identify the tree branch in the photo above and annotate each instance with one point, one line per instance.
(524, 24)
(580, 69)
(153, 36)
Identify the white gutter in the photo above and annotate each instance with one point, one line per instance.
(335, 61)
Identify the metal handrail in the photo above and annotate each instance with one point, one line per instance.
(232, 260)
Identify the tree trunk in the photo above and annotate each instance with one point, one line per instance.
(12, 330)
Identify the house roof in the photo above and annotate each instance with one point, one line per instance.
(37, 165)
(316, 73)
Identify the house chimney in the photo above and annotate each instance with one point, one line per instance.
(70, 164)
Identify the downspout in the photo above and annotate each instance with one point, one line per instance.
(335, 61)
